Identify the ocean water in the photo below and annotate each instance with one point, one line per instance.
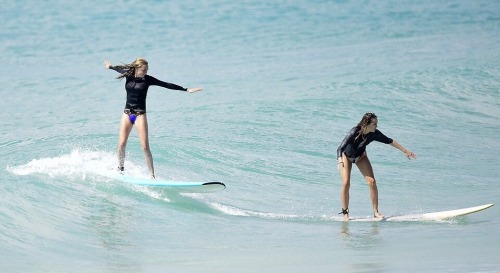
(283, 81)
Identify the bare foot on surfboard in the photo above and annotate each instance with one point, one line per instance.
(378, 215)
(345, 217)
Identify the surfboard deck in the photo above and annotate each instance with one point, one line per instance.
(186, 186)
(432, 216)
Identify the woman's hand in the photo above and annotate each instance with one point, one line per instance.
(410, 154)
(107, 64)
(192, 90)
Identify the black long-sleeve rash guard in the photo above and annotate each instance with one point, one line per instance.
(137, 89)
(354, 147)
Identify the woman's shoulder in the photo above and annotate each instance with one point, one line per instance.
(355, 129)
(150, 78)
(353, 132)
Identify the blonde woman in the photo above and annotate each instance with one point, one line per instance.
(137, 82)
(353, 150)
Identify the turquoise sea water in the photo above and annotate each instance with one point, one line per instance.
(283, 83)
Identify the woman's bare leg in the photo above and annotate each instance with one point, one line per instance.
(142, 130)
(365, 167)
(345, 173)
(125, 128)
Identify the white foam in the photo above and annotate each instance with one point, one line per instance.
(152, 193)
(234, 211)
(79, 164)
(76, 164)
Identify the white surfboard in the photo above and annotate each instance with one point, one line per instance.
(202, 187)
(432, 216)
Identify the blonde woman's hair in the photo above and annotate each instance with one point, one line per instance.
(130, 68)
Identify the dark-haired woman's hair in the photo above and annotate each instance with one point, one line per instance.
(365, 121)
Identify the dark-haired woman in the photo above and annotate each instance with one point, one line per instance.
(353, 150)
(137, 84)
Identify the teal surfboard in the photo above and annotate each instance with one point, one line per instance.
(212, 186)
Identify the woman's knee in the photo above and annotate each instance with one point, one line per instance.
(371, 181)
(145, 148)
(122, 145)
(346, 183)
